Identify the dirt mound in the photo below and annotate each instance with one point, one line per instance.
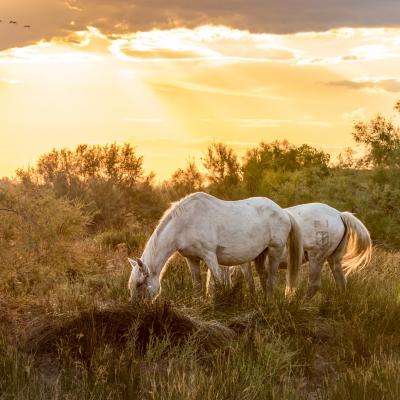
(114, 325)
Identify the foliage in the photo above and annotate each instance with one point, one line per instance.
(382, 142)
(63, 168)
(223, 169)
(280, 158)
(109, 180)
(185, 181)
(34, 218)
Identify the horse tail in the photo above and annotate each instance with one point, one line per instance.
(356, 245)
(295, 253)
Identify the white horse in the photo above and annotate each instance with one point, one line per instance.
(328, 235)
(202, 227)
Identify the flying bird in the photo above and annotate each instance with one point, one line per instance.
(27, 26)
(12, 22)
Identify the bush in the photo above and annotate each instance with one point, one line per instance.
(133, 239)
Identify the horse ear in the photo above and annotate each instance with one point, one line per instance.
(138, 263)
(142, 266)
(133, 262)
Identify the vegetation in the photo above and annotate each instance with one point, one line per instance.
(67, 329)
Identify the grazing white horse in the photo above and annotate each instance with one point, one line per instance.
(328, 235)
(202, 227)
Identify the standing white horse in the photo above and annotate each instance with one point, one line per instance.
(202, 227)
(328, 235)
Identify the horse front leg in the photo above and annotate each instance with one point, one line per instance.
(248, 275)
(274, 258)
(194, 266)
(211, 261)
(210, 282)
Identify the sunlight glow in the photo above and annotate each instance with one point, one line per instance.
(172, 92)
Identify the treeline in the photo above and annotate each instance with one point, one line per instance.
(120, 201)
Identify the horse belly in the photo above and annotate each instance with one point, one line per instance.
(245, 238)
(234, 256)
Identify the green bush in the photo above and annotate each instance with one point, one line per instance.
(133, 239)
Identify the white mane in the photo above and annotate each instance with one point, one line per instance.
(175, 210)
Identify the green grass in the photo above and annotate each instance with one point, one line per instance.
(336, 346)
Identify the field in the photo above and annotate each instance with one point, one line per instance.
(68, 331)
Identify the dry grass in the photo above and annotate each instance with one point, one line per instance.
(225, 347)
(82, 332)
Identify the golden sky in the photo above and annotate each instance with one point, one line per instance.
(171, 78)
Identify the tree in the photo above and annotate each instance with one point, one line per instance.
(108, 179)
(281, 159)
(381, 140)
(223, 168)
(117, 163)
(310, 157)
(185, 181)
(346, 159)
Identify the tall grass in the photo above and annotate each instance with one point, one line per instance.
(336, 346)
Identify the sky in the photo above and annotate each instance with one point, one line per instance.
(171, 77)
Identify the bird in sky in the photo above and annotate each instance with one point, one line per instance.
(14, 22)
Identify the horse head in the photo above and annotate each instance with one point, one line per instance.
(142, 284)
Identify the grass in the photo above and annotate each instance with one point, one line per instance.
(68, 331)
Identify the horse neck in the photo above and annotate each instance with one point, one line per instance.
(158, 250)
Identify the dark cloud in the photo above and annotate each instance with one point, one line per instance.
(47, 18)
(284, 16)
(51, 18)
(349, 57)
(388, 85)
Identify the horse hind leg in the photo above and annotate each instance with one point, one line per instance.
(262, 270)
(315, 268)
(335, 264)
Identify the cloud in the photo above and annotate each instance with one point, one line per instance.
(260, 122)
(188, 143)
(211, 89)
(350, 57)
(276, 123)
(142, 120)
(387, 85)
(50, 18)
(47, 19)
(9, 81)
(43, 54)
(355, 115)
(202, 43)
(285, 16)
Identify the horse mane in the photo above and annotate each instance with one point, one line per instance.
(175, 210)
